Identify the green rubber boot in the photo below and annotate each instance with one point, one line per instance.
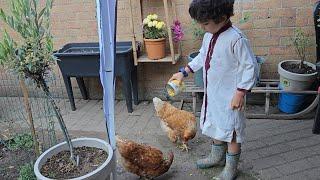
(215, 158)
(230, 171)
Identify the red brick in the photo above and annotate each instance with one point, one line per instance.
(288, 22)
(285, 41)
(266, 42)
(282, 12)
(281, 32)
(305, 12)
(245, 26)
(267, 4)
(266, 23)
(301, 21)
(260, 33)
(261, 51)
(246, 5)
(259, 14)
(285, 50)
(294, 3)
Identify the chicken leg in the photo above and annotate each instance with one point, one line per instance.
(184, 147)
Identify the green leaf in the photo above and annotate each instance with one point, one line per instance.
(2, 15)
(42, 11)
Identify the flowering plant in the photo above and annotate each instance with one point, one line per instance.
(177, 31)
(153, 28)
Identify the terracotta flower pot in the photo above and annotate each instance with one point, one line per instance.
(155, 48)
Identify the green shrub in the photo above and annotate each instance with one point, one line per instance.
(22, 141)
(26, 172)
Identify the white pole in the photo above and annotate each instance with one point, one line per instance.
(106, 17)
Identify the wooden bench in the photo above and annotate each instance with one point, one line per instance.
(267, 87)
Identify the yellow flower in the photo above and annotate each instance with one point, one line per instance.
(150, 24)
(154, 16)
(150, 16)
(159, 25)
(146, 21)
(154, 23)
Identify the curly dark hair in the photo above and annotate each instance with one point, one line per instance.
(216, 10)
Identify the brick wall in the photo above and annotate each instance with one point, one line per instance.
(269, 27)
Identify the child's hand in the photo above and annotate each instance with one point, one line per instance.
(177, 76)
(238, 101)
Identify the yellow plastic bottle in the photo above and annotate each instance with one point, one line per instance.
(174, 87)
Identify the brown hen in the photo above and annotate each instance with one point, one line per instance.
(178, 124)
(143, 160)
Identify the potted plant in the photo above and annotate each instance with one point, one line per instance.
(296, 75)
(154, 32)
(31, 57)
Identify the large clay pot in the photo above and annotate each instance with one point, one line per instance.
(155, 48)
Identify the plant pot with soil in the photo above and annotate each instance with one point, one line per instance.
(297, 75)
(95, 161)
(154, 32)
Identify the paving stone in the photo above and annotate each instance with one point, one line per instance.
(270, 173)
(267, 162)
(250, 155)
(296, 176)
(296, 154)
(252, 145)
(286, 137)
(314, 160)
(305, 142)
(293, 167)
(313, 174)
(273, 150)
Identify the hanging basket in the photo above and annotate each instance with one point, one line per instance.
(155, 48)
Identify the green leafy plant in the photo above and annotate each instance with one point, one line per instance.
(301, 41)
(153, 28)
(26, 172)
(33, 56)
(196, 30)
(245, 18)
(22, 141)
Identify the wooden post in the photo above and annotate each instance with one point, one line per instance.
(166, 9)
(133, 37)
(30, 118)
(267, 103)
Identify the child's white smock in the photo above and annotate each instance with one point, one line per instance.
(233, 65)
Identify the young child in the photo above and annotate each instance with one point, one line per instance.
(229, 71)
